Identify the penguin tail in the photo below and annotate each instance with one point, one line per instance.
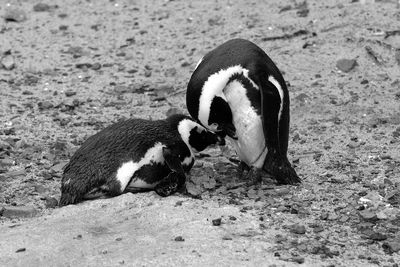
(67, 199)
(72, 191)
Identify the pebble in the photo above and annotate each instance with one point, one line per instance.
(59, 167)
(51, 202)
(298, 229)
(41, 7)
(346, 65)
(19, 212)
(69, 93)
(216, 222)
(45, 105)
(368, 215)
(392, 246)
(7, 62)
(376, 236)
(179, 239)
(14, 14)
(40, 188)
(15, 174)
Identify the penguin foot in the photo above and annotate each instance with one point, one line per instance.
(242, 169)
(254, 176)
(281, 169)
(169, 185)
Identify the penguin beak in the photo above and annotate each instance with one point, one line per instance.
(220, 140)
(229, 130)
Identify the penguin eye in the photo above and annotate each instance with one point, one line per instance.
(214, 126)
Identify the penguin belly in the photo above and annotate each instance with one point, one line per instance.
(250, 145)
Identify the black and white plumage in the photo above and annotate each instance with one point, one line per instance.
(135, 155)
(238, 91)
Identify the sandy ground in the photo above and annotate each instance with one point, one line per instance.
(70, 68)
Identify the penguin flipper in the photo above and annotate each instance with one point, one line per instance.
(276, 162)
(176, 178)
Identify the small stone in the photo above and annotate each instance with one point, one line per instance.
(346, 65)
(69, 93)
(147, 73)
(179, 239)
(15, 174)
(171, 72)
(63, 27)
(173, 111)
(7, 62)
(19, 212)
(298, 229)
(41, 7)
(96, 66)
(298, 259)
(45, 105)
(391, 246)
(15, 15)
(368, 215)
(83, 66)
(118, 239)
(51, 202)
(40, 188)
(59, 167)
(376, 236)
(216, 222)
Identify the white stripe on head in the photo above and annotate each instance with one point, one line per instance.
(280, 91)
(198, 63)
(184, 128)
(214, 86)
(128, 169)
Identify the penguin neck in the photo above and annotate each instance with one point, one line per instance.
(184, 128)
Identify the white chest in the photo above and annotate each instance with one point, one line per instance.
(249, 129)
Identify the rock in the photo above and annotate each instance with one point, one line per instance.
(376, 236)
(96, 66)
(368, 215)
(171, 72)
(20, 250)
(391, 246)
(69, 93)
(51, 202)
(84, 66)
(298, 229)
(45, 105)
(7, 62)
(15, 15)
(346, 65)
(15, 174)
(40, 188)
(397, 57)
(19, 212)
(59, 167)
(41, 7)
(216, 222)
(173, 111)
(179, 239)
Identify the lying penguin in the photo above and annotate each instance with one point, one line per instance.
(133, 156)
(237, 90)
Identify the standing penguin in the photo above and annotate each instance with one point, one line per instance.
(237, 90)
(135, 155)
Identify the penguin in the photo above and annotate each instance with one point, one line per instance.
(236, 90)
(135, 155)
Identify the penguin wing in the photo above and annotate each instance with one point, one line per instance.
(271, 113)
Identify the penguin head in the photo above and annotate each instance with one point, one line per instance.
(220, 118)
(196, 137)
